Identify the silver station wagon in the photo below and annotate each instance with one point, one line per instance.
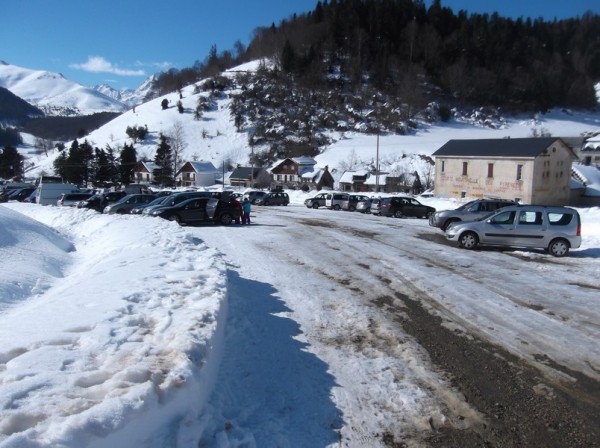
(556, 229)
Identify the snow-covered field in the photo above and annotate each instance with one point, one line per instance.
(131, 331)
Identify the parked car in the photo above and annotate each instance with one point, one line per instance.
(128, 202)
(364, 206)
(375, 206)
(176, 198)
(252, 196)
(7, 189)
(468, 212)
(556, 229)
(99, 201)
(21, 194)
(199, 210)
(334, 201)
(72, 199)
(352, 201)
(404, 206)
(272, 198)
(138, 209)
(316, 201)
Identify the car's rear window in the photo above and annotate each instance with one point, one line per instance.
(559, 219)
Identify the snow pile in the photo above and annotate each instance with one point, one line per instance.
(121, 342)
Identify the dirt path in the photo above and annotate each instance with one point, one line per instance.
(393, 274)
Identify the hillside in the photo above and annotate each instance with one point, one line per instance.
(15, 110)
(216, 137)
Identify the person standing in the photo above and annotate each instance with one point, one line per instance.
(238, 207)
(246, 207)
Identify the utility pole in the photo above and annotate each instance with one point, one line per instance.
(252, 164)
(377, 166)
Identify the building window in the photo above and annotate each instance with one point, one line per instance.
(490, 170)
(443, 166)
(465, 165)
(519, 172)
(463, 194)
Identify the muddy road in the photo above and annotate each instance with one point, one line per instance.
(470, 331)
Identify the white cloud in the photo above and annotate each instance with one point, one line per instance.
(98, 64)
(160, 65)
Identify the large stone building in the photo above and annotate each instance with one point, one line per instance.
(530, 170)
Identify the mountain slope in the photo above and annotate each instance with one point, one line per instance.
(215, 137)
(53, 93)
(14, 109)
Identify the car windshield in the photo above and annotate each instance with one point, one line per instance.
(484, 217)
(466, 206)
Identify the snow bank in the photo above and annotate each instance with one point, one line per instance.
(141, 311)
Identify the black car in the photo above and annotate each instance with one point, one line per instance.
(401, 207)
(199, 210)
(21, 194)
(99, 201)
(273, 198)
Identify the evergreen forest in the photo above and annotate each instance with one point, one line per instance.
(420, 54)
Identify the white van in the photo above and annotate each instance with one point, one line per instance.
(334, 201)
(49, 193)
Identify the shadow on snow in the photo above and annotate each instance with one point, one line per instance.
(270, 391)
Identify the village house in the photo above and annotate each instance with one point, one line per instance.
(317, 179)
(298, 172)
(197, 174)
(244, 176)
(354, 181)
(530, 170)
(365, 181)
(143, 172)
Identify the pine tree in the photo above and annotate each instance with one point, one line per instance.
(128, 160)
(10, 162)
(163, 159)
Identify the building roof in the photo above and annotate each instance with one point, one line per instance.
(590, 174)
(348, 176)
(496, 147)
(244, 172)
(304, 160)
(203, 167)
(150, 166)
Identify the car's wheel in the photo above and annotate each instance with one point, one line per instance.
(266, 203)
(447, 223)
(428, 215)
(351, 208)
(336, 207)
(315, 205)
(226, 219)
(174, 218)
(398, 214)
(559, 247)
(368, 211)
(468, 240)
(285, 204)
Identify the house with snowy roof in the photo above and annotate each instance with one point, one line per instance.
(317, 178)
(245, 176)
(531, 170)
(197, 174)
(590, 151)
(143, 173)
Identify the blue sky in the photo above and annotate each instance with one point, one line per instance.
(121, 43)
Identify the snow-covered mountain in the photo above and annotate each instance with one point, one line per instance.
(128, 96)
(54, 94)
(215, 138)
